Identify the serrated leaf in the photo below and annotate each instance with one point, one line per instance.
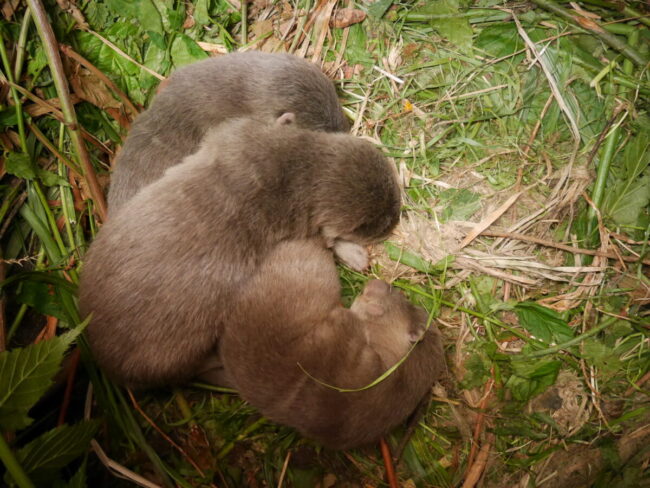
(20, 165)
(25, 375)
(54, 449)
(543, 323)
(531, 378)
(185, 50)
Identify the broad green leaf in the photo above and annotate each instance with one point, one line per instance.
(20, 165)
(407, 258)
(458, 204)
(48, 453)
(201, 14)
(379, 8)
(79, 478)
(455, 29)
(543, 323)
(51, 179)
(500, 39)
(38, 296)
(630, 193)
(26, 374)
(531, 378)
(185, 50)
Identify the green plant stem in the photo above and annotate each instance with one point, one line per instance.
(597, 30)
(184, 407)
(251, 428)
(13, 466)
(488, 14)
(576, 340)
(60, 82)
(14, 94)
(20, 45)
(300, 28)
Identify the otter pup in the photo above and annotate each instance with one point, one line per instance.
(163, 271)
(288, 325)
(207, 93)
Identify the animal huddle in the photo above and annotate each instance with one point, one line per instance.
(230, 198)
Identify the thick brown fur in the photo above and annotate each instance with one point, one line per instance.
(164, 270)
(207, 93)
(288, 322)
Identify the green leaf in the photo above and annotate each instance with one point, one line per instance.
(79, 478)
(459, 204)
(531, 378)
(20, 165)
(543, 323)
(201, 14)
(455, 29)
(379, 8)
(185, 50)
(37, 295)
(407, 258)
(57, 447)
(51, 179)
(630, 194)
(26, 374)
(500, 39)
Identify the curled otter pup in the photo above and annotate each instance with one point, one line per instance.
(163, 271)
(288, 322)
(207, 93)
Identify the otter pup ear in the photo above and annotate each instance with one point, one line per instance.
(286, 118)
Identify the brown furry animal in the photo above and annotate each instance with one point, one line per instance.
(164, 270)
(288, 322)
(207, 93)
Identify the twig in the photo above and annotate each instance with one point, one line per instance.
(388, 463)
(69, 52)
(283, 473)
(637, 386)
(594, 28)
(165, 436)
(118, 469)
(480, 420)
(475, 471)
(563, 247)
(61, 84)
(72, 370)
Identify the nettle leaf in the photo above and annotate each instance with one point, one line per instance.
(20, 165)
(185, 50)
(543, 323)
(45, 455)
(531, 378)
(26, 374)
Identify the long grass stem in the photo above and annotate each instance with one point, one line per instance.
(13, 466)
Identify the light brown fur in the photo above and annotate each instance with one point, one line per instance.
(205, 94)
(162, 274)
(288, 322)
